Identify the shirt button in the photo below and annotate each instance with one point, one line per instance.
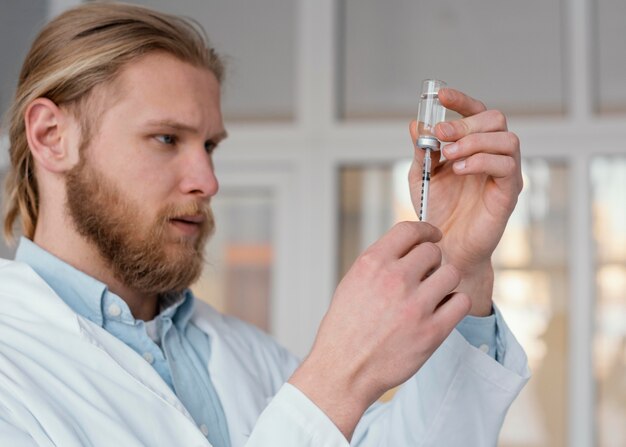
(204, 429)
(484, 348)
(114, 310)
(148, 357)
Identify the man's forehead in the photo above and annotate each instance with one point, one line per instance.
(157, 74)
(160, 66)
(160, 88)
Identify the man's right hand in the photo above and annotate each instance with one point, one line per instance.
(388, 315)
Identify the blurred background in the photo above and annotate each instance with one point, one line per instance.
(317, 102)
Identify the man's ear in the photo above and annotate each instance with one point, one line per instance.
(52, 135)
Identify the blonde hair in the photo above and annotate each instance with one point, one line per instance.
(84, 47)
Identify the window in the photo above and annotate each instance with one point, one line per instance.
(237, 276)
(609, 228)
(317, 103)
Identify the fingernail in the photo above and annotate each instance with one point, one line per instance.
(451, 149)
(446, 129)
(459, 165)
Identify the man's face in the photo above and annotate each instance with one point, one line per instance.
(141, 191)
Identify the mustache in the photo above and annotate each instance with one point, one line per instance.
(196, 209)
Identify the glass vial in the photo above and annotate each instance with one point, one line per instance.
(429, 113)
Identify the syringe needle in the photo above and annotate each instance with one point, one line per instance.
(425, 185)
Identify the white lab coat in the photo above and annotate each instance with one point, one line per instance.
(66, 382)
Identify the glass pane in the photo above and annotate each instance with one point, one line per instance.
(19, 22)
(257, 40)
(608, 176)
(508, 54)
(237, 277)
(531, 279)
(531, 290)
(365, 210)
(611, 35)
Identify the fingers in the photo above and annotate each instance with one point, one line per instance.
(496, 143)
(496, 166)
(495, 154)
(485, 121)
(482, 145)
(422, 260)
(402, 238)
(483, 132)
(436, 288)
(460, 102)
(451, 311)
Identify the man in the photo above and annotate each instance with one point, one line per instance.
(116, 117)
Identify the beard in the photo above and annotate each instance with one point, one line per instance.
(145, 257)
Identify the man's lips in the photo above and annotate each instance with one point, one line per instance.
(189, 225)
(194, 219)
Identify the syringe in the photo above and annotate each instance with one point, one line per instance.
(429, 113)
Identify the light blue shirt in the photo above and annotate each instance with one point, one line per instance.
(482, 332)
(178, 350)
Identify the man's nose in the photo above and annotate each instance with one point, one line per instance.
(198, 175)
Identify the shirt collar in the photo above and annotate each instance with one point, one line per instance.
(86, 295)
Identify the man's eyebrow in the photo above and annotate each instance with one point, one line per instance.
(175, 125)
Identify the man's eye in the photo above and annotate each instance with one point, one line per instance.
(167, 139)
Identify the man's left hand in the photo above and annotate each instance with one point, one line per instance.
(473, 191)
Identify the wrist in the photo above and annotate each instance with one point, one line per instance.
(334, 392)
(478, 285)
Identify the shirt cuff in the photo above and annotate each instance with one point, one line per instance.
(481, 332)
